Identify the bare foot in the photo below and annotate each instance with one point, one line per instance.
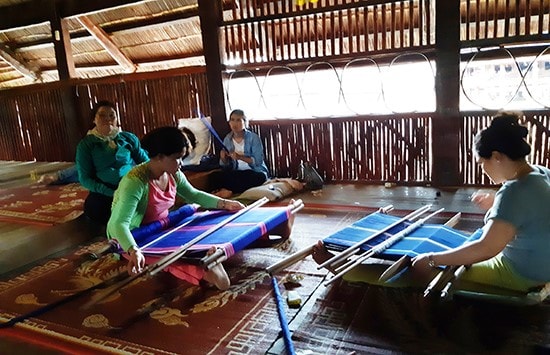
(47, 179)
(223, 193)
(320, 254)
(217, 275)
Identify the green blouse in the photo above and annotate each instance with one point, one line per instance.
(131, 199)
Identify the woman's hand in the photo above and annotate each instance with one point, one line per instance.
(223, 155)
(421, 262)
(423, 266)
(483, 199)
(136, 262)
(230, 205)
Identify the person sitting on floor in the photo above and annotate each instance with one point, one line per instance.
(514, 250)
(61, 177)
(243, 164)
(149, 190)
(103, 157)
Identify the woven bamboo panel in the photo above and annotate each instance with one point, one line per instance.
(539, 139)
(362, 150)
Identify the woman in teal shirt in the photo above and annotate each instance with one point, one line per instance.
(103, 157)
(149, 190)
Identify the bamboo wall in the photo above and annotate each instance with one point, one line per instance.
(373, 149)
(33, 126)
(383, 149)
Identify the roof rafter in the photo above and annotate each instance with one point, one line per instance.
(32, 12)
(103, 38)
(10, 57)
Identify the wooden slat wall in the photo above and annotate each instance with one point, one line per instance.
(539, 137)
(484, 19)
(374, 149)
(32, 125)
(147, 104)
(264, 32)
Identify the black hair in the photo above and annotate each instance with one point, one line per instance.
(164, 140)
(238, 112)
(504, 135)
(192, 140)
(102, 103)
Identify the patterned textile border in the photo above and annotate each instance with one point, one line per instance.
(42, 204)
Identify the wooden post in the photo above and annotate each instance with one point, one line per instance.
(66, 71)
(210, 14)
(447, 121)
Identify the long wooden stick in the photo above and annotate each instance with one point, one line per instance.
(383, 246)
(440, 279)
(456, 275)
(174, 256)
(352, 249)
(405, 261)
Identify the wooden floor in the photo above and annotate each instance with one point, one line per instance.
(23, 246)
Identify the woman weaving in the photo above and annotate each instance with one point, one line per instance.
(149, 190)
(514, 249)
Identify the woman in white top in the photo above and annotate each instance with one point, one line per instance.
(243, 162)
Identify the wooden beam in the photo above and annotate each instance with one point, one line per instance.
(62, 45)
(210, 14)
(447, 121)
(30, 13)
(103, 38)
(10, 57)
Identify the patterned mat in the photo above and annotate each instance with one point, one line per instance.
(163, 314)
(358, 318)
(42, 204)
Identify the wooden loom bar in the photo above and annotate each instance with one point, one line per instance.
(380, 247)
(355, 247)
(151, 270)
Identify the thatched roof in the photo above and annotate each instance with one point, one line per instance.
(133, 36)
